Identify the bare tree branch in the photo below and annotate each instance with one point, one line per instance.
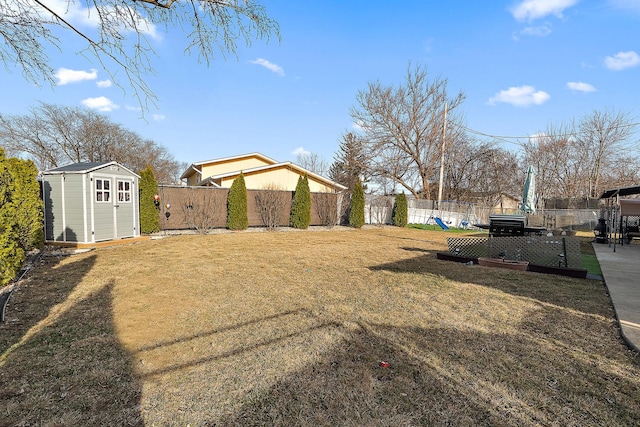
(53, 135)
(403, 128)
(210, 27)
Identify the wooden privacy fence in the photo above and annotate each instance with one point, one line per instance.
(206, 207)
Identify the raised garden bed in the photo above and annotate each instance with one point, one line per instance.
(536, 268)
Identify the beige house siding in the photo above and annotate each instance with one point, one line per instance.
(202, 170)
(506, 205)
(221, 168)
(281, 178)
(260, 172)
(192, 180)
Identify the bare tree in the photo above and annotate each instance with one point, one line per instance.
(464, 168)
(53, 135)
(626, 173)
(313, 162)
(580, 161)
(498, 174)
(403, 128)
(271, 203)
(203, 208)
(604, 136)
(556, 161)
(326, 206)
(119, 33)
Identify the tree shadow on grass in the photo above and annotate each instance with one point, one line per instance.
(34, 298)
(62, 363)
(445, 376)
(587, 296)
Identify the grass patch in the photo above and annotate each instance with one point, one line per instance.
(591, 264)
(290, 328)
(436, 227)
(588, 254)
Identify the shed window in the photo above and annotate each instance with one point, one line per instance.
(124, 191)
(103, 190)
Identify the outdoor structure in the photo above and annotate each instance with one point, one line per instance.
(259, 172)
(621, 214)
(90, 202)
(629, 219)
(506, 204)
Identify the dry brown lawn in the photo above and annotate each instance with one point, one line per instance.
(289, 329)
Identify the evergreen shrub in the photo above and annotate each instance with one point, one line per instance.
(356, 210)
(400, 211)
(301, 206)
(237, 216)
(21, 214)
(149, 216)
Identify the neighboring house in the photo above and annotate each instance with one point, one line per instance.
(90, 202)
(507, 204)
(259, 172)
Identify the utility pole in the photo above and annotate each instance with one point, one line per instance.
(444, 138)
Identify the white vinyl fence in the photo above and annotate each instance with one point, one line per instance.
(379, 210)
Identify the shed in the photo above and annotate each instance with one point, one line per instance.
(90, 202)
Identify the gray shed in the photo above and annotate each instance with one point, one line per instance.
(90, 202)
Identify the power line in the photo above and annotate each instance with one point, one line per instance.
(506, 138)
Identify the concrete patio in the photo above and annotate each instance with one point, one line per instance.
(621, 272)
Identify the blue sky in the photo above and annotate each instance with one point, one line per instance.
(522, 65)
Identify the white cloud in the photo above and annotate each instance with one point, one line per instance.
(537, 137)
(75, 13)
(521, 96)
(581, 87)
(66, 76)
(427, 45)
(103, 83)
(269, 66)
(80, 16)
(538, 31)
(622, 60)
(530, 10)
(100, 103)
(133, 108)
(626, 5)
(300, 151)
(159, 117)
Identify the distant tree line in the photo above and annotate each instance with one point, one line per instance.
(55, 135)
(406, 133)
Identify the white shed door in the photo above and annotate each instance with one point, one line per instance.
(124, 208)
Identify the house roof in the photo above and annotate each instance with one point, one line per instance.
(300, 169)
(623, 191)
(84, 167)
(194, 166)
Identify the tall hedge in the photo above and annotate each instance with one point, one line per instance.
(21, 214)
(237, 217)
(301, 206)
(356, 210)
(149, 218)
(400, 211)
(29, 214)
